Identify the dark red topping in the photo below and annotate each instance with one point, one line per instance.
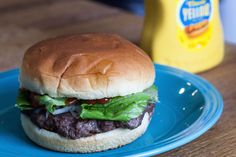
(70, 101)
(98, 101)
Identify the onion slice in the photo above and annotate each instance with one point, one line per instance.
(69, 108)
(47, 115)
(62, 110)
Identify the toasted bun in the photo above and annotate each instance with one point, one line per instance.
(99, 142)
(86, 66)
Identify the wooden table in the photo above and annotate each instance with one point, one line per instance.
(24, 22)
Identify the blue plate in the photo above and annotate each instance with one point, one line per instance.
(188, 107)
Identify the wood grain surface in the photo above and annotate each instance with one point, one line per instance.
(24, 22)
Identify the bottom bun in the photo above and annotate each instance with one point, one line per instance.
(98, 142)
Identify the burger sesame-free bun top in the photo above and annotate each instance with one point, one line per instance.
(86, 66)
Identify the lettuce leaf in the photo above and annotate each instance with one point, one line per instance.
(51, 103)
(120, 108)
(152, 92)
(22, 102)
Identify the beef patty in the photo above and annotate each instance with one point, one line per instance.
(73, 127)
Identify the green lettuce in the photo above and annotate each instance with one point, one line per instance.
(51, 103)
(22, 102)
(120, 108)
(152, 92)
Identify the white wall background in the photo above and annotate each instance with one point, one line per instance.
(228, 18)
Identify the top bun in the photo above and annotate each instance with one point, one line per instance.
(86, 66)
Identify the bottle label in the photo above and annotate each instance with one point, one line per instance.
(194, 23)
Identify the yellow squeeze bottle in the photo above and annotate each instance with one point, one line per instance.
(183, 33)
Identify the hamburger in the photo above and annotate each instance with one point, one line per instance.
(85, 92)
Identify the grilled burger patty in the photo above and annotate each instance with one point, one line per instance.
(73, 127)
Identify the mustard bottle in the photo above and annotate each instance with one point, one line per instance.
(183, 33)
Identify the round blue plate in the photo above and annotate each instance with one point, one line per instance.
(188, 107)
